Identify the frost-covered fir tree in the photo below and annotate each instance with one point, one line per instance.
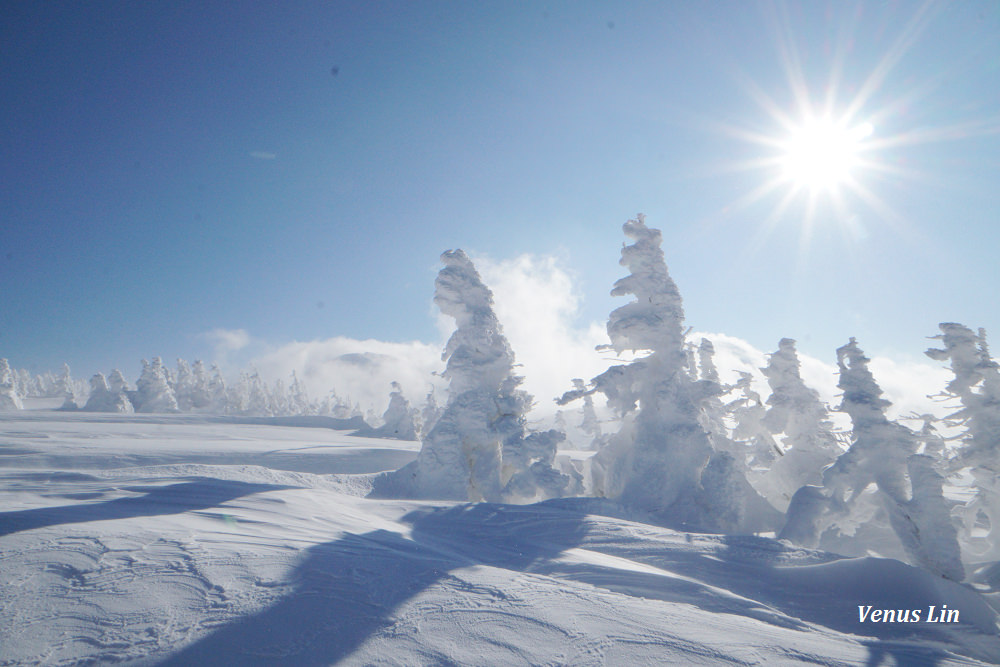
(478, 449)
(712, 411)
(218, 395)
(298, 399)
(807, 442)
(662, 460)
(117, 382)
(63, 383)
(28, 384)
(976, 385)
(183, 386)
(880, 475)
(748, 412)
(153, 392)
(398, 420)
(10, 397)
(258, 397)
(65, 387)
(279, 399)
(103, 399)
(201, 394)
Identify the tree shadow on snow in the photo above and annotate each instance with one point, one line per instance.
(347, 590)
(155, 501)
(830, 592)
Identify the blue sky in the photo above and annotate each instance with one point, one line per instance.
(294, 170)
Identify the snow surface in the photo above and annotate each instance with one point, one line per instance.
(187, 540)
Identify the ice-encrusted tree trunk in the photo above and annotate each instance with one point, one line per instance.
(478, 449)
(662, 461)
(10, 397)
(977, 386)
(800, 422)
(883, 454)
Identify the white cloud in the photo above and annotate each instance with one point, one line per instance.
(908, 383)
(225, 341)
(361, 370)
(537, 305)
(262, 155)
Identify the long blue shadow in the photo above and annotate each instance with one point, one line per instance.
(155, 501)
(347, 590)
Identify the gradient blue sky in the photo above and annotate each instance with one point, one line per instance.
(295, 169)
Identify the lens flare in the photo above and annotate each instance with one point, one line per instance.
(821, 154)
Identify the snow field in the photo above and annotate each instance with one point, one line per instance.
(186, 540)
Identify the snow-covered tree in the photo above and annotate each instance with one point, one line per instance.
(200, 395)
(258, 397)
(153, 392)
(63, 382)
(10, 397)
(748, 412)
(182, 384)
(478, 449)
(398, 421)
(880, 471)
(117, 382)
(662, 460)
(976, 385)
(590, 424)
(217, 393)
(712, 411)
(799, 420)
(28, 384)
(341, 407)
(298, 399)
(103, 399)
(279, 404)
(65, 388)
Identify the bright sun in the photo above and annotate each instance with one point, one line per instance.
(823, 154)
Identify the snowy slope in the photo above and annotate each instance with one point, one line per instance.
(196, 540)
